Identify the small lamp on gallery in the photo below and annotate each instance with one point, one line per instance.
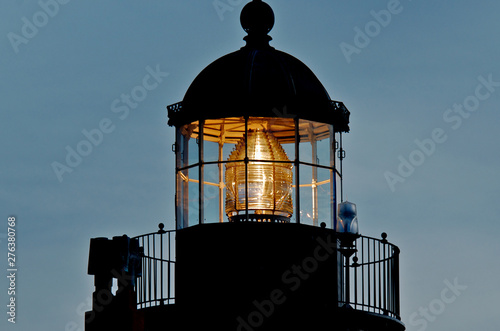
(347, 231)
(347, 223)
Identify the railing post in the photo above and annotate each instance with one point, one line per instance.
(336, 275)
(169, 266)
(161, 232)
(347, 281)
(396, 281)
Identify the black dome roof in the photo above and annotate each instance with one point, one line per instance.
(258, 81)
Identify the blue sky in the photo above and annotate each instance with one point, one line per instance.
(428, 73)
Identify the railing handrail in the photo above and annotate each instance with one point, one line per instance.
(156, 232)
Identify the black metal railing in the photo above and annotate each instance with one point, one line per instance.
(156, 286)
(373, 272)
(368, 280)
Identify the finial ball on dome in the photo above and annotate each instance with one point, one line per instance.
(257, 17)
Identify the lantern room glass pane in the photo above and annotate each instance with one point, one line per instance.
(189, 143)
(306, 195)
(193, 197)
(316, 196)
(315, 142)
(213, 191)
(224, 130)
(325, 197)
(182, 203)
(306, 151)
(211, 151)
(220, 136)
(324, 152)
(316, 163)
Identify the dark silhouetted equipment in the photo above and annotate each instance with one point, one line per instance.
(118, 259)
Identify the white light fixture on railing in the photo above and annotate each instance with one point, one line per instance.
(347, 220)
(348, 231)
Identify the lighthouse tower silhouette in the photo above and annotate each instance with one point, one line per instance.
(263, 238)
